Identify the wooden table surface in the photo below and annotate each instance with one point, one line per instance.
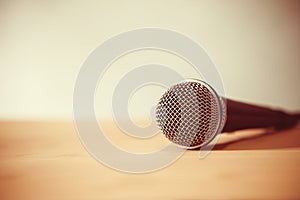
(46, 160)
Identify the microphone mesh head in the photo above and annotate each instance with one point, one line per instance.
(190, 114)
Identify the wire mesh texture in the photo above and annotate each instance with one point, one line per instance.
(190, 114)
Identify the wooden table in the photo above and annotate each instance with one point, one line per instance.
(46, 160)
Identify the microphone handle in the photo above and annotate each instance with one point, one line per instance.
(246, 116)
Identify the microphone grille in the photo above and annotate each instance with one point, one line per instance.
(189, 114)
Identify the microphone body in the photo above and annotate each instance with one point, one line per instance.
(247, 116)
(191, 113)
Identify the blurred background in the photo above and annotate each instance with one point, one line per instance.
(255, 45)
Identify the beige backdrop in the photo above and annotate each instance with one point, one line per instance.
(254, 44)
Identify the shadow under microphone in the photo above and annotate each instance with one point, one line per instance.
(191, 113)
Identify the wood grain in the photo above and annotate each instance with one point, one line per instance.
(46, 160)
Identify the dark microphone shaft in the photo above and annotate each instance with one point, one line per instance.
(247, 116)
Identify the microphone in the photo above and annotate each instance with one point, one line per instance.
(191, 113)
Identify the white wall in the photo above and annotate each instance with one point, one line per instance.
(254, 44)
